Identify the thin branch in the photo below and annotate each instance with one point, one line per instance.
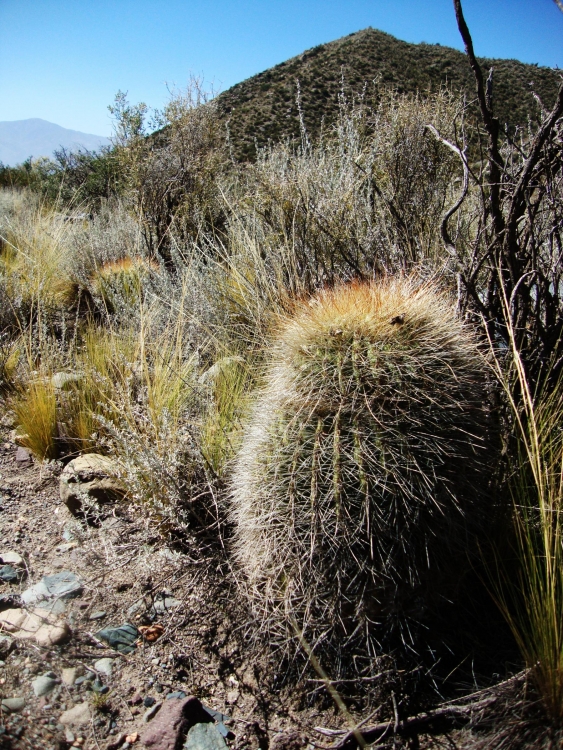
(539, 141)
(484, 96)
(478, 73)
(451, 211)
(431, 722)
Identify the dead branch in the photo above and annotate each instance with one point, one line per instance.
(517, 202)
(491, 123)
(465, 186)
(438, 721)
(446, 717)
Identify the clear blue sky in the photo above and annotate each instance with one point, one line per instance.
(64, 60)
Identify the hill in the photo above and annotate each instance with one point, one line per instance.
(263, 108)
(20, 139)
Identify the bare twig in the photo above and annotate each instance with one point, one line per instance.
(431, 722)
(465, 186)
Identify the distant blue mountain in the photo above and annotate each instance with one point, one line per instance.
(20, 139)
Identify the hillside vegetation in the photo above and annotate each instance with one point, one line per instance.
(335, 370)
(264, 108)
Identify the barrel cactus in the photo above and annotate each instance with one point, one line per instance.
(363, 462)
(121, 283)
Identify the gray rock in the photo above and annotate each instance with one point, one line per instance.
(105, 666)
(97, 615)
(151, 712)
(11, 575)
(13, 705)
(90, 481)
(164, 604)
(122, 639)
(23, 455)
(136, 607)
(60, 380)
(204, 737)
(44, 684)
(52, 591)
(87, 678)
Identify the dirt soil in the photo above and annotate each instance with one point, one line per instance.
(206, 648)
(207, 644)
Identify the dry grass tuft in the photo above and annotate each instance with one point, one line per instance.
(36, 414)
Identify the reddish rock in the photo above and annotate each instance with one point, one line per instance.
(23, 455)
(171, 723)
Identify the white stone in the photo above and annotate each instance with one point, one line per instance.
(76, 716)
(105, 666)
(13, 559)
(89, 478)
(38, 625)
(68, 676)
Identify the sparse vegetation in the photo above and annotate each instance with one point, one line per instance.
(351, 345)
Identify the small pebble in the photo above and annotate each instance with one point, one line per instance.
(97, 615)
(150, 712)
(149, 701)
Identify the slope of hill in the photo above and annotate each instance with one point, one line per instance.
(264, 108)
(20, 139)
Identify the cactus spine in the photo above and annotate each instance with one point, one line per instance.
(363, 460)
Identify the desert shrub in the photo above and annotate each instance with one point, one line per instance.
(364, 463)
(365, 197)
(21, 176)
(170, 174)
(73, 178)
(68, 179)
(152, 428)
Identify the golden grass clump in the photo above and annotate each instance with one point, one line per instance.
(363, 462)
(36, 415)
(35, 258)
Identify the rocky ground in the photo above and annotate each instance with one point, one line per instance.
(111, 639)
(73, 676)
